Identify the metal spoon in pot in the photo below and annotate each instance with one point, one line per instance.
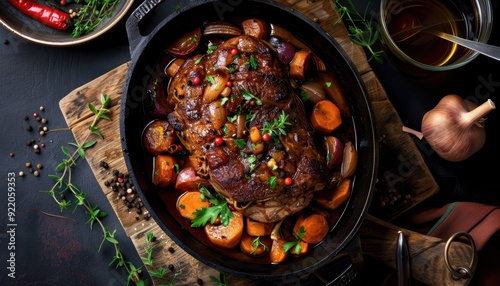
(416, 27)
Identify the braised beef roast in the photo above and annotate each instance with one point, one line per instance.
(254, 177)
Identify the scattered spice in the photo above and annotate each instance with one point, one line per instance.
(36, 173)
(11, 154)
(122, 184)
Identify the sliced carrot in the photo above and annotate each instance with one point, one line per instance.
(255, 245)
(325, 117)
(277, 253)
(300, 65)
(333, 88)
(257, 228)
(335, 198)
(174, 67)
(189, 202)
(226, 236)
(164, 173)
(315, 226)
(256, 27)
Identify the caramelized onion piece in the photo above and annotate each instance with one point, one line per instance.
(220, 28)
(185, 44)
(217, 114)
(285, 50)
(216, 84)
(314, 90)
(334, 151)
(349, 160)
(287, 36)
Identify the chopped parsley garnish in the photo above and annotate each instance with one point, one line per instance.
(247, 95)
(199, 59)
(304, 95)
(255, 245)
(295, 244)
(211, 49)
(241, 143)
(328, 83)
(219, 208)
(210, 79)
(272, 182)
(252, 62)
(224, 100)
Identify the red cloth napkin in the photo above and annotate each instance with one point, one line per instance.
(481, 221)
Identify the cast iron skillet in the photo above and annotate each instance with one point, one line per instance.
(147, 49)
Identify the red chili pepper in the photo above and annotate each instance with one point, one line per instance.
(47, 15)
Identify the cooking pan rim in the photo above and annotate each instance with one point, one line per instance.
(143, 46)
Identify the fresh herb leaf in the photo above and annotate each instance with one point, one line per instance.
(272, 182)
(219, 208)
(210, 79)
(361, 30)
(221, 281)
(255, 245)
(247, 95)
(277, 127)
(241, 143)
(295, 244)
(91, 14)
(304, 95)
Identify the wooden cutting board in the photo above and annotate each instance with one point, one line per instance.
(396, 150)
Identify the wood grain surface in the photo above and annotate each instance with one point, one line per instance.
(399, 159)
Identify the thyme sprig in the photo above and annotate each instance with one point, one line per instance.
(221, 281)
(277, 127)
(361, 29)
(91, 15)
(158, 272)
(64, 185)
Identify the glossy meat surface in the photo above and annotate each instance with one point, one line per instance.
(240, 169)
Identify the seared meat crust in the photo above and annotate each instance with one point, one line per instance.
(243, 175)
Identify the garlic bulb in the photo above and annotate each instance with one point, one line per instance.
(455, 127)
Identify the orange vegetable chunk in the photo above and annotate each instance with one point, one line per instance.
(189, 202)
(326, 117)
(226, 236)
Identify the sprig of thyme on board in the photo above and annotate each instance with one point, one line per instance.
(154, 271)
(64, 186)
(361, 29)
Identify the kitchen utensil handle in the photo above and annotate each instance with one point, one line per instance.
(142, 11)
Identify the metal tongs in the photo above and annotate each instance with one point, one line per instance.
(402, 260)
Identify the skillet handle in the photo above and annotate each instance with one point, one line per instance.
(142, 11)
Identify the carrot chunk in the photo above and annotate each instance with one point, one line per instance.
(300, 65)
(335, 198)
(189, 202)
(315, 226)
(326, 117)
